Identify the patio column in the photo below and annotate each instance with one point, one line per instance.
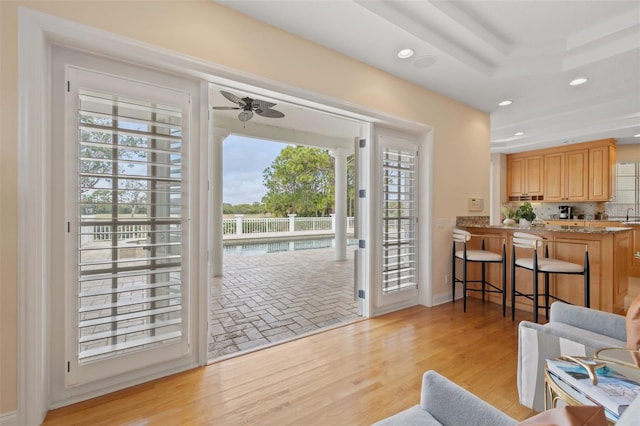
(292, 222)
(340, 156)
(215, 200)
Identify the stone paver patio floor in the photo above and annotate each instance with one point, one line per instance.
(269, 298)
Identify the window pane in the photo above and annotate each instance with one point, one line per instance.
(130, 225)
(627, 191)
(399, 220)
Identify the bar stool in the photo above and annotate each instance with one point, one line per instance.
(546, 266)
(479, 256)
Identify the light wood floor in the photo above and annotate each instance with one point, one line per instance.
(352, 375)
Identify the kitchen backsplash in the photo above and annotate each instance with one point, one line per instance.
(583, 210)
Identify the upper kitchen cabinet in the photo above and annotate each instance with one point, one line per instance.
(602, 160)
(566, 176)
(579, 172)
(525, 177)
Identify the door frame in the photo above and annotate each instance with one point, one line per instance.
(37, 32)
(424, 144)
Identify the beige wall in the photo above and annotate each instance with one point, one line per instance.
(208, 31)
(628, 152)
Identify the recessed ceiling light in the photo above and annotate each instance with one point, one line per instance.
(505, 103)
(518, 134)
(578, 81)
(405, 53)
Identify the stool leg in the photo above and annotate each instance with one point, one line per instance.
(546, 295)
(464, 285)
(513, 285)
(535, 296)
(587, 281)
(483, 280)
(587, 286)
(504, 282)
(453, 274)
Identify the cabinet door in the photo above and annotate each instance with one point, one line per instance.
(534, 175)
(634, 271)
(600, 177)
(554, 177)
(515, 172)
(577, 175)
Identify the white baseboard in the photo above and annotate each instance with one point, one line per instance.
(440, 298)
(9, 419)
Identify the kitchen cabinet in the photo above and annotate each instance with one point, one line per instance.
(635, 261)
(574, 173)
(601, 167)
(609, 252)
(604, 223)
(565, 222)
(566, 176)
(634, 266)
(525, 177)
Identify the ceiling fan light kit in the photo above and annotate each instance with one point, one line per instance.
(245, 115)
(249, 106)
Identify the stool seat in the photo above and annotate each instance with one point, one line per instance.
(551, 265)
(479, 256)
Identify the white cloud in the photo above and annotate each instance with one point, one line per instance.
(244, 161)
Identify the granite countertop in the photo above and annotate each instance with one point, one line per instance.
(557, 228)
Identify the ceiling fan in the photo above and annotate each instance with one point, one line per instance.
(249, 106)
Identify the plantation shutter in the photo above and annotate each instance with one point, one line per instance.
(399, 219)
(130, 225)
(627, 184)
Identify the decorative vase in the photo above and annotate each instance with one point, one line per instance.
(508, 222)
(524, 223)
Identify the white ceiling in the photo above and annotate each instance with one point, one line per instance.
(482, 52)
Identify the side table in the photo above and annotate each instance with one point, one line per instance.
(556, 389)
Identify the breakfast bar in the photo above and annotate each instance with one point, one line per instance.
(609, 258)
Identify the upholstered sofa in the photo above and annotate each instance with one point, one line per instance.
(442, 402)
(571, 330)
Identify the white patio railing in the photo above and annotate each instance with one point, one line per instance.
(239, 225)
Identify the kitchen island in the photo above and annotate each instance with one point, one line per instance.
(609, 258)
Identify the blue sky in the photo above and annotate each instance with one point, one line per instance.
(244, 160)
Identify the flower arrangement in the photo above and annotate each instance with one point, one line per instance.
(508, 211)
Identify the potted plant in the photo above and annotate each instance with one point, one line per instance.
(525, 211)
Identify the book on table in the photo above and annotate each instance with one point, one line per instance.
(614, 391)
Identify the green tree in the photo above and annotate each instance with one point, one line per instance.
(97, 160)
(255, 208)
(300, 181)
(351, 191)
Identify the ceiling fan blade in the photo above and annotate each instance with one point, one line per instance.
(233, 98)
(270, 113)
(259, 104)
(225, 108)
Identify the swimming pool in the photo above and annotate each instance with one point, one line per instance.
(266, 246)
